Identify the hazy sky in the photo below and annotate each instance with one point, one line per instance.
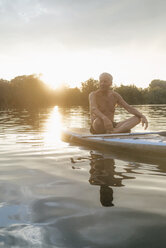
(69, 41)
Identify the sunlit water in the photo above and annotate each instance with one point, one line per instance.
(53, 194)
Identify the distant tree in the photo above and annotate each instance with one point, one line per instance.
(145, 96)
(75, 95)
(29, 91)
(4, 92)
(157, 83)
(87, 87)
(67, 96)
(157, 92)
(131, 94)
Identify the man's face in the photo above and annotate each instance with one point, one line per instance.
(105, 83)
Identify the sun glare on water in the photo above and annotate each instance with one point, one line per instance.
(53, 129)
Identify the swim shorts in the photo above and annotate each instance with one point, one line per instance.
(92, 131)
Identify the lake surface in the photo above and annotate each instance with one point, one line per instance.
(53, 194)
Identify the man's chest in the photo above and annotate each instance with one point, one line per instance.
(106, 102)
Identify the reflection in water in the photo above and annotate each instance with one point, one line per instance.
(37, 127)
(102, 173)
(75, 117)
(106, 196)
(25, 120)
(52, 128)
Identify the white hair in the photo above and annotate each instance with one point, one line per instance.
(105, 75)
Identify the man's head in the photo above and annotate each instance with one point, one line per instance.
(105, 81)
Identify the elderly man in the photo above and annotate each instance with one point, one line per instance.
(102, 108)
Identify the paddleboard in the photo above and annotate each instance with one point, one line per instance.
(149, 144)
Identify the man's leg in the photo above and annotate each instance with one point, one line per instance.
(98, 126)
(125, 126)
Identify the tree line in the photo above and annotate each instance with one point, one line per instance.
(30, 91)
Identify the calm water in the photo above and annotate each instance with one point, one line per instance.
(53, 194)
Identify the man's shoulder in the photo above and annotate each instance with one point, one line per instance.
(116, 94)
(94, 93)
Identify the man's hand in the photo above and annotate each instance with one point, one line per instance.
(144, 122)
(108, 124)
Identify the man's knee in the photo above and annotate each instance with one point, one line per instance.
(98, 126)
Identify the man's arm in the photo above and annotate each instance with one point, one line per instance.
(131, 110)
(94, 109)
(93, 106)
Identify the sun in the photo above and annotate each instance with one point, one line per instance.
(51, 81)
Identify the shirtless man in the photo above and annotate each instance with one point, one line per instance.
(102, 108)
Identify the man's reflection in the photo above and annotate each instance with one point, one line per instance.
(106, 196)
(102, 173)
